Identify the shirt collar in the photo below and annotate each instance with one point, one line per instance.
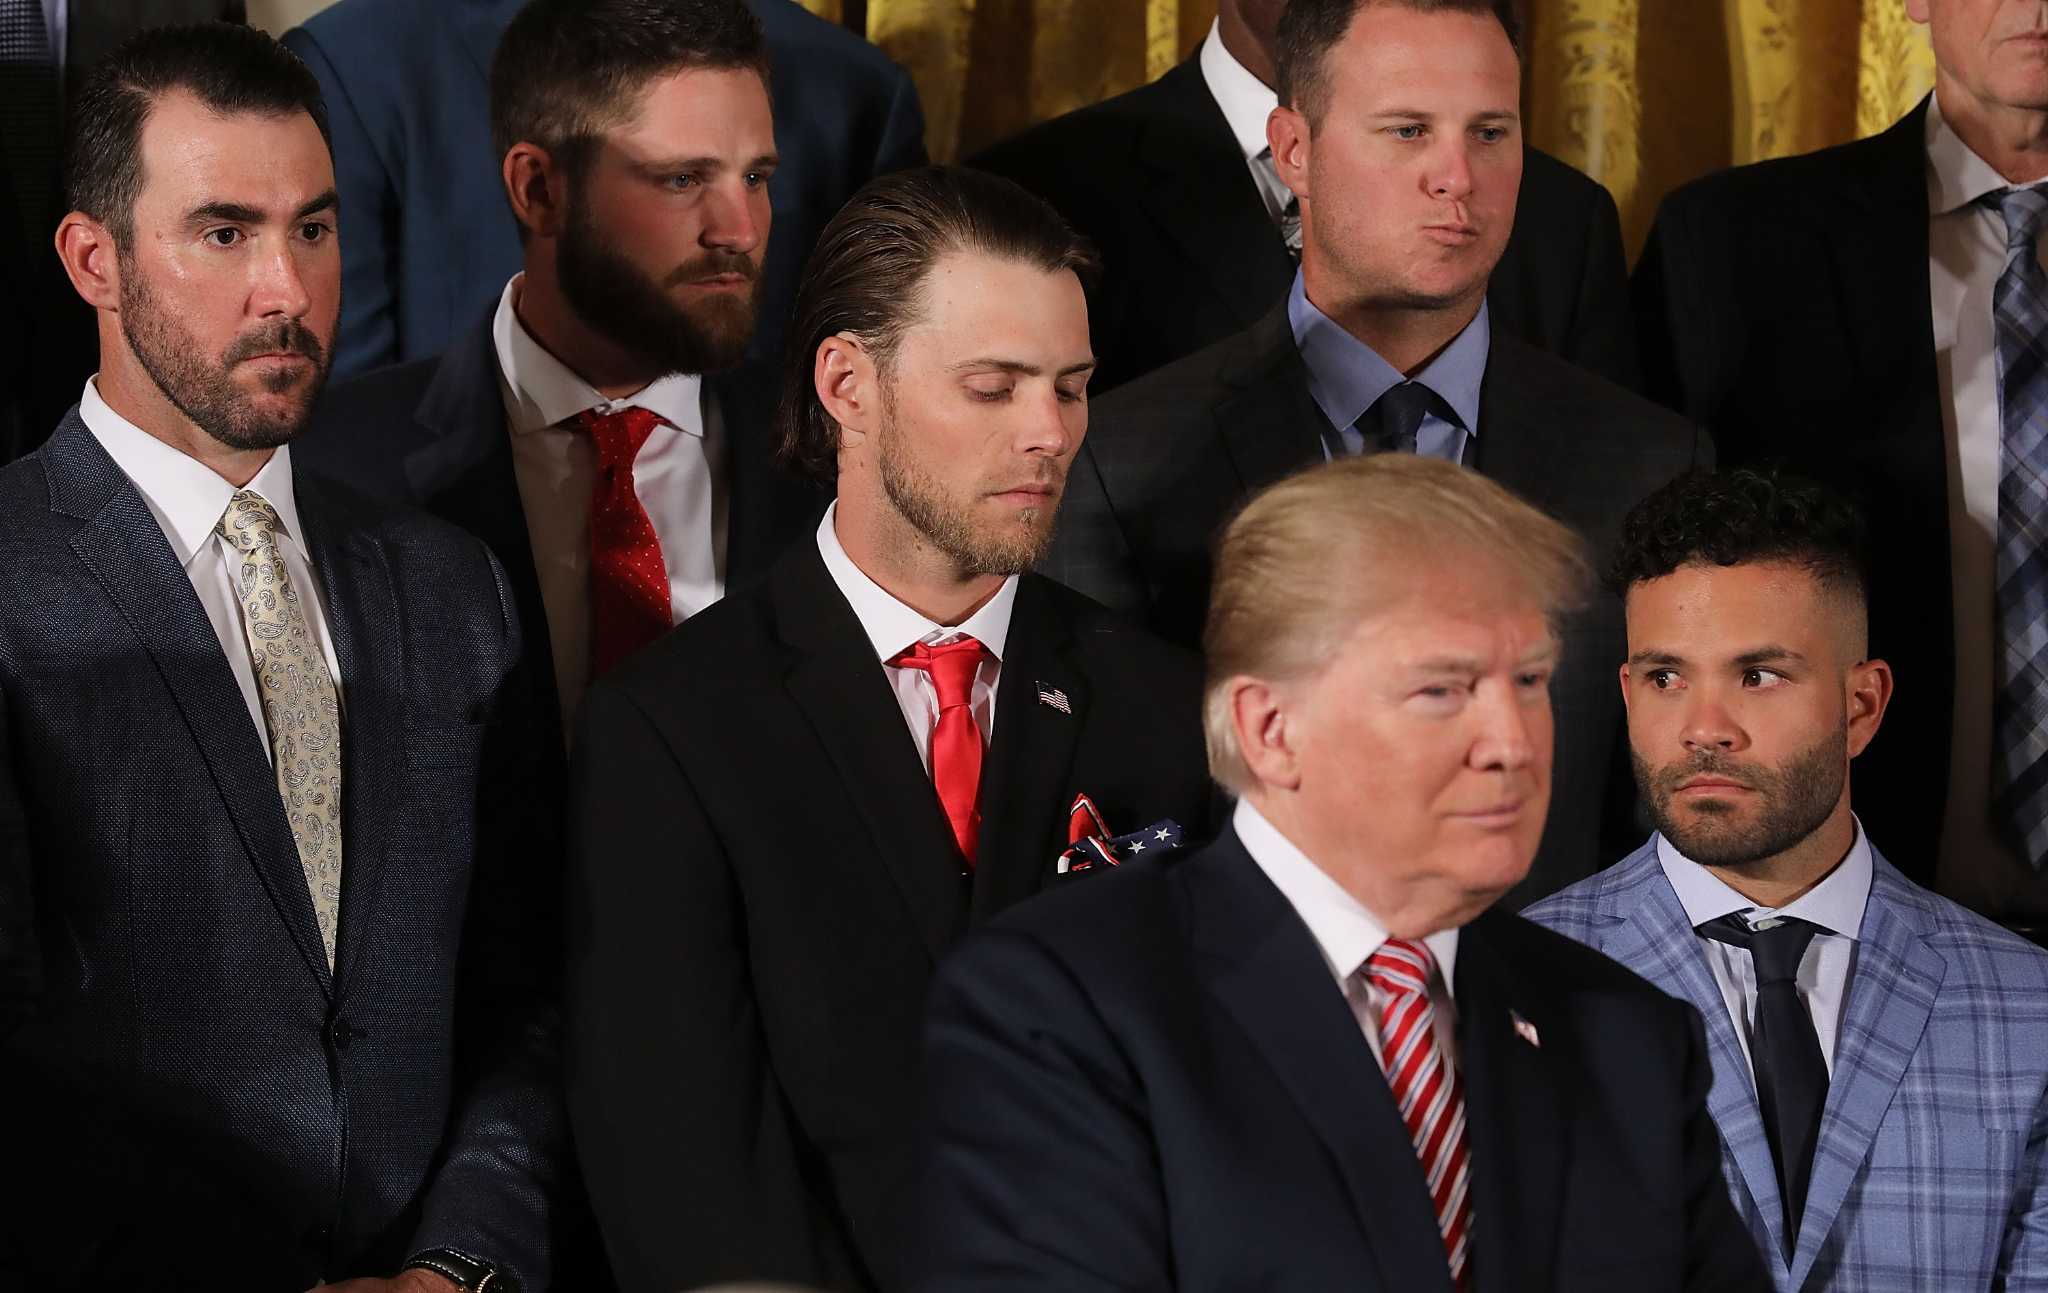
(186, 496)
(1345, 932)
(890, 625)
(1956, 175)
(1346, 376)
(542, 392)
(1835, 904)
(1245, 99)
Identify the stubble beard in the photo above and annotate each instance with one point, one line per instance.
(616, 299)
(948, 524)
(1796, 799)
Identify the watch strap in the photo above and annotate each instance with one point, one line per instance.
(473, 1274)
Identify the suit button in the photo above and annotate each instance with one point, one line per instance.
(340, 1034)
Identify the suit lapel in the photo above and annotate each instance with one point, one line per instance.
(124, 549)
(362, 613)
(1201, 198)
(1026, 776)
(1650, 934)
(839, 685)
(1271, 425)
(1517, 1108)
(1896, 978)
(463, 473)
(1259, 960)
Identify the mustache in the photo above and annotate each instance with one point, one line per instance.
(1706, 763)
(285, 337)
(716, 262)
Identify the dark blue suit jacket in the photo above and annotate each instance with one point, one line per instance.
(1152, 1082)
(427, 238)
(188, 1096)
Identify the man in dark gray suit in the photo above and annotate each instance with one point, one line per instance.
(1401, 136)
(430, 240)
(276, 999)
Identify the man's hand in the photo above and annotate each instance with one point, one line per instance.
(412, 1281)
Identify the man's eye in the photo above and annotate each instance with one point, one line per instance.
(1663, 679)
(1409, 132)
(990, 397)
(1761, 678)
(1072, 396)
(756, 179)
(314, 231)
(223, 237)
(1491, 134)
(682, 182)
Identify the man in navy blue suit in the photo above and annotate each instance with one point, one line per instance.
(276, 999)
(430, 241)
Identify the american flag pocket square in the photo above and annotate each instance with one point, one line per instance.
(1096, 852)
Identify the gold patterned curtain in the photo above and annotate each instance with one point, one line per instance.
(1641, 94)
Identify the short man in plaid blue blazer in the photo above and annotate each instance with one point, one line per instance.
(1880, 1054)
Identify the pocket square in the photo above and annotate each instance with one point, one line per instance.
(1097, 852)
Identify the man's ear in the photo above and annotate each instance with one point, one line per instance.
(1870, 693)
(1287, 134)
(91, 260)
(1267, 738)
(536, 188)
(848, 385)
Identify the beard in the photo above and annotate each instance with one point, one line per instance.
(204, 390)
(1795, 799)
(616, 299)
(947, 523)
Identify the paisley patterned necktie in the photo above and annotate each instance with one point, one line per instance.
(299, 704)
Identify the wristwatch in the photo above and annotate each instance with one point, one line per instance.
(472, 1274)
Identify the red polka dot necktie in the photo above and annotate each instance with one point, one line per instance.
(956, 741)
(1427, 1090)
(628, 580)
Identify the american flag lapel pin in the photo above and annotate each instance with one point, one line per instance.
(1524, 1029)
(1053, 696)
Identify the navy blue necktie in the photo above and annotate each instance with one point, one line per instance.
(1391, 424)
(2019, 706)
(1791, 1072)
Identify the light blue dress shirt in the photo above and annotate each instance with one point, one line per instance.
(1346, 377)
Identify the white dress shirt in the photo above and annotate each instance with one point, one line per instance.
(892, 627)
(1835, 904)
(1345, 932)
(1966, 254)
(1246, 102)
(678, 476)
(188, 499)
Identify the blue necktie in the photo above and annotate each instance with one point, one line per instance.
(1390, 425)
(2019, 707)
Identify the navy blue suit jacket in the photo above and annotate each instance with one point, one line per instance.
(188, 1095)
(427, 238)
(1152, 1082)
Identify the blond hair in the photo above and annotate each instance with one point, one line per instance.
(1312, 557)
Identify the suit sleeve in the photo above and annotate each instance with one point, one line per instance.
(1719, 1252)
(496, 1191)
(1089, 553)
(680, 1124)
(1037, 1169)
(2023, 1259)
(367, 336)
(1603, 329)
(20, 956)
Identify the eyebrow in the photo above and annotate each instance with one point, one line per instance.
(240, 214)
(1770, 653)
(669, 166)
(1018, 367)
(1469, 665)
(1419, 114)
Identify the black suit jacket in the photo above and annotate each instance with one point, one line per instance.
(1170, 458)
(189, 1097)
(762, 881)
(427, 236)
(1154, 1082)
(433, 434)
(1155, 179)
(48, 338)
(1786, 306)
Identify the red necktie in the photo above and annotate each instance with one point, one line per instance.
(628, 579)
(956, 741)
(1427, 1091)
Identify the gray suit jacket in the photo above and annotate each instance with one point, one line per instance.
(1170, 457)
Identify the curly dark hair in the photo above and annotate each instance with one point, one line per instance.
(1741, 516)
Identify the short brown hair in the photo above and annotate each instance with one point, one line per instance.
(1310, 29)
(1308, 560)
(568, 70)
(866, 278)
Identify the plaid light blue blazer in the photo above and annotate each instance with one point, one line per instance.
(1930, 1169)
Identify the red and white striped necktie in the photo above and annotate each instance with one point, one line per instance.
(1426, 1089)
